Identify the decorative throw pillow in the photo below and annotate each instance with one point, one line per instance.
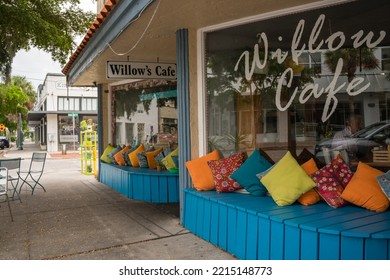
(287, 181)
(168, 161)
(311, 197)
(246, 174)
(133, 155)
(222, 169)
(107, 150)
(364, 190)
(119, 156)
(175, 160)
(331, 181)
(266, 156)
(384, 183)
(306, 155)
(126, 157)
(142, 160)
(113, 153)
(200, 172)
(150, 157)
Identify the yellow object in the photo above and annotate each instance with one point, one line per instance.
(168, 161)
(88, 141)
(287, 181)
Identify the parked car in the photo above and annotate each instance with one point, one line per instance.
(360, 145)
(4, 143)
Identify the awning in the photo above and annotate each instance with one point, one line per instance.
(158, 95)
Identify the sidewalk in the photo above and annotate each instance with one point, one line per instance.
(80, 218)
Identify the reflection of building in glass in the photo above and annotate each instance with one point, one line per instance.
(146, 115)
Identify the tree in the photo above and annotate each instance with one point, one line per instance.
(50, 25)
(27, 88)
(353, 59)
(12, 100)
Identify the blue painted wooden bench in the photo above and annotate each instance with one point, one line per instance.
(141, 183)
(256, 228)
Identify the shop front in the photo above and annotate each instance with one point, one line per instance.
(283, 78)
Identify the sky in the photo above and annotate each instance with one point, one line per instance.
(35, 64)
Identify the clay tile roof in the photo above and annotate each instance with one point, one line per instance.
(108, 7)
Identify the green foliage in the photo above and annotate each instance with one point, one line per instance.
(353, 59)
(16, 97)
(12, 100)
(50, 25)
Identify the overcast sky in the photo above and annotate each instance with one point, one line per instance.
(35, 64)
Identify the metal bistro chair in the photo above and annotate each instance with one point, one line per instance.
(4, 187)
(32, 176)
(13, 166)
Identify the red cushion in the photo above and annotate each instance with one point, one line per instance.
(331, 181)
(223, 168)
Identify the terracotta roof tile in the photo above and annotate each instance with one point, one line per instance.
(108, 7)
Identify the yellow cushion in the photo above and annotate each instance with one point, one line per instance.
(364, 190)
(133, 155)
(168, 161)
(287, 181)
(200, 171)
(150, 158)
(311, 197)
(107, 150)
(119, 156)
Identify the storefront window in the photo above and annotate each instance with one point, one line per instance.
(68, 128)
(305, 80)
(146, 112)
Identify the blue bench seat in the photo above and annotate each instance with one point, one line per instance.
(141, 183)
(252, 227)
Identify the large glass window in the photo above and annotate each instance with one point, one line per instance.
(305, 80)
(146, 112)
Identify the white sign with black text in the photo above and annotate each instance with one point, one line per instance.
(140, 70)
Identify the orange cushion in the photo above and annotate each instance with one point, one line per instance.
(119, 156)
(150, 158)
(200, 171)
(364, 190)
(133, 155)
(311, 197)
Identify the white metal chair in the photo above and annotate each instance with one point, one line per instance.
(13, 167)
(4, 187)
(32, 176)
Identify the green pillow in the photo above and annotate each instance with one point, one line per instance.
(168, 161)
(107, 151)
(287, 181)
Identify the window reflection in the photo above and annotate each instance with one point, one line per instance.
(146, 112)
(296, 81)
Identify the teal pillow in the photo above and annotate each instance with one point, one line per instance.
(245, 175)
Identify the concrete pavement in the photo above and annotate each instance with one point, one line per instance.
(80, 218)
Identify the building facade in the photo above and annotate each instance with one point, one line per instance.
(276, 75)
(61, 112)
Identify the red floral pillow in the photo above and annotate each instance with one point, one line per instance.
(331, 181)
(223, 168)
